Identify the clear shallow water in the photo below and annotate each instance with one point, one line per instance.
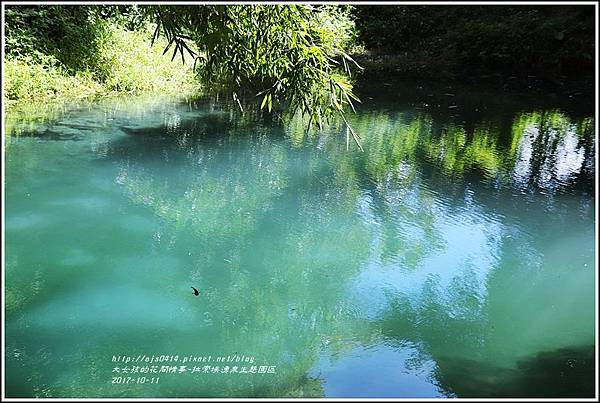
(454, 257)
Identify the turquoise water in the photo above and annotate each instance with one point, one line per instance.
(453, 257)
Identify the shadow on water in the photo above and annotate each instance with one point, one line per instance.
(562, 373)
(448, 97)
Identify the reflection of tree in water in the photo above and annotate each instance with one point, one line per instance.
(227, 203)
(262, 236)
(484, 349)
(264, 224)
(564, 372)
(549, 151)
(465, 323)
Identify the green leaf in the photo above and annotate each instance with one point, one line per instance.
(264, 101)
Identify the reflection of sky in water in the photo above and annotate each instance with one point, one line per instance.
(465, 245)
(563, 158)
(569, 157)
(403, 372)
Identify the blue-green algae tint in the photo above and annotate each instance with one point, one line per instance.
(454, 257)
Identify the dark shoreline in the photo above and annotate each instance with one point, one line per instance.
(572, 91)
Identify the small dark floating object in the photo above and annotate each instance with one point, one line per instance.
(195, 291)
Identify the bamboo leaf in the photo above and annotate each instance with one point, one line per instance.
(264, 101)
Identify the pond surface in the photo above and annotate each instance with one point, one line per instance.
(455, 256)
